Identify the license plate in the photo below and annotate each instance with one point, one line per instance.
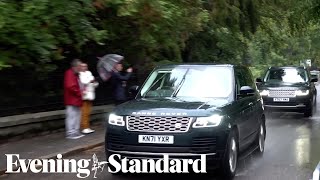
(280, 99)
(155, 139)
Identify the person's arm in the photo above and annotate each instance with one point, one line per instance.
(84, 78)
(122, 77)
(72, 86)
(95, 84)
(92, 79)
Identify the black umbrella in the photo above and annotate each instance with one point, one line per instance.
(106, 65)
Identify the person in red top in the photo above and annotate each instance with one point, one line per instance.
(73, 100)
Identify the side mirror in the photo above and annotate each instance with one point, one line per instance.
(247, 91)
(133, 90)
(259, 80)
(314, 80)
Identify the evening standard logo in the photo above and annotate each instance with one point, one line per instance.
(115, 164)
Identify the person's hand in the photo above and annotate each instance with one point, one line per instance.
(129, 70)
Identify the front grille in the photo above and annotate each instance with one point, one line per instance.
(158, 124)
(282, 93)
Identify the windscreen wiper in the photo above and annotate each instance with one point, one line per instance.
(174, 94)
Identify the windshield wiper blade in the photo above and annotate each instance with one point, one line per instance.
(174, 94)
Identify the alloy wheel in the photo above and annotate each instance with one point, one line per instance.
(261, 138)
(233, 155)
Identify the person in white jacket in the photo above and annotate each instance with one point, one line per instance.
(89, 83)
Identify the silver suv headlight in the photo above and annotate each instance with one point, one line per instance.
(116, 120)
(211, 121)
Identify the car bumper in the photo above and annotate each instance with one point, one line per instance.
(297, 104)
(189, 145)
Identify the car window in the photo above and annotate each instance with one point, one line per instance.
(287, 75)
(240, 80)
(244, 78)
(249, 78)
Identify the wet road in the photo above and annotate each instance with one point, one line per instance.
(292, 152)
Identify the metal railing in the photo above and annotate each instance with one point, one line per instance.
(24, 93)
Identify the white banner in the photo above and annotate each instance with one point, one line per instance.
(83, 167)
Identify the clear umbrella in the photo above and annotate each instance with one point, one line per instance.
(106, 65)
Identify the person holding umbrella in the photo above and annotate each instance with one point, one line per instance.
(110, 67)
(119, 82)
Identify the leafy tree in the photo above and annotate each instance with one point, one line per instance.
(35, 32)
(151, 30)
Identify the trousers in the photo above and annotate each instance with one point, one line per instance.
(86, 112)
(72, 121)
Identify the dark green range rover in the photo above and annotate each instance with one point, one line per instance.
(288, 89)
(188, 110)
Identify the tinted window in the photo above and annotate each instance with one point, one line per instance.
(244, 78)
(314, 74)
(287, 75)
(240, 79)
(248, 78)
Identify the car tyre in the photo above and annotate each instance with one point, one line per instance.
(261, 138)
(315, 102)
(230, 160)
(309, 110)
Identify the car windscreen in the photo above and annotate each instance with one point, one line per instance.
(286, 75)
(314, 73)
(186, 82)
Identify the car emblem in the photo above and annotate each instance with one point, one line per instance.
(178, 125)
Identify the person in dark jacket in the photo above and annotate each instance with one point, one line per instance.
(119, 83)
(73, 100)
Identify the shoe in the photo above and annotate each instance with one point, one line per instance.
(87, 131)
(75, 136)
(79, 136)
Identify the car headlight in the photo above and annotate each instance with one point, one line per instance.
(264, 93)
(116, 120)
(211, 121)
(302, 92)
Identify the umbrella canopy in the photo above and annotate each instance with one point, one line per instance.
(106, 65)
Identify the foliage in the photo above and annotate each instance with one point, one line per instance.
(37, 33)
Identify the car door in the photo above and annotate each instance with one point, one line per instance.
(254, 104)
(245, 109)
